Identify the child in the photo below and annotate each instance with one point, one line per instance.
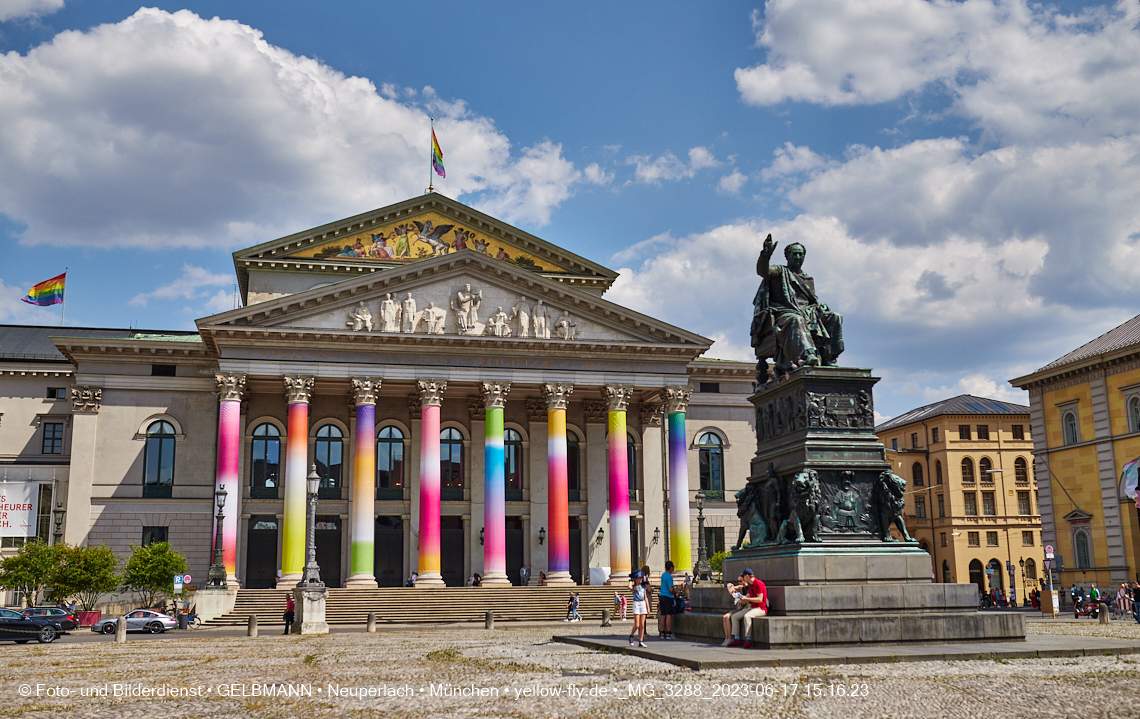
(640, 607)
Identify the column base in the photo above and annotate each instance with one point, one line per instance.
(430, 579)
(495, 579)
(361, 581)
(619, 579)
(289, 581)
(560, 579)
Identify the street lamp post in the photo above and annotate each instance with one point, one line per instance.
(312, 573)
(217, 574)
(58, 513)
(704, 569)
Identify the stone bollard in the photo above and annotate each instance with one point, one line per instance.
(371, 623)
(489, 621)
(251, 626)
(605, 618)
(1102, 615)
(120, 630)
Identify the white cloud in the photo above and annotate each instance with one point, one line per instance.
(596, 175)
(730, 184)
(792, 160)
(222, 301)
(670, 167)
(16, 9)
(188, 286)
(13, 310)
(167, 129)
(979, 386)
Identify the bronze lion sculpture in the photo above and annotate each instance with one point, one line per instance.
(890, 498)
(802, 524)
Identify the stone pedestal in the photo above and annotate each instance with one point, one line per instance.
(212, 602)
(310, 609)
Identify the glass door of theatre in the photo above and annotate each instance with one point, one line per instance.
(389, 556)
(328, 548)
(452, 551)
(261, 552)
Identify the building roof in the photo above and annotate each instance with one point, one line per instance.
(962, 404)
(1117, 338)
(33, 343)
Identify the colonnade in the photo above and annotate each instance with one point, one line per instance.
(298, 391)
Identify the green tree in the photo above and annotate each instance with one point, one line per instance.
(85, 573)
(716, 561)
(30, 570)
(150, 571)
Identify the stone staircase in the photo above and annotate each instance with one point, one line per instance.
(408, 605)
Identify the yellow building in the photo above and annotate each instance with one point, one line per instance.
(1088, 403)
(971, 498)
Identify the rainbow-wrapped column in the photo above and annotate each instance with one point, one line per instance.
(230, 388)
(362, 565)
(494, 487)
(298, 390)
(617, 398)
(558, 505)
(431, 397)
(680, 544)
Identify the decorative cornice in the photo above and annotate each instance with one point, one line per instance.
(677, 398)
(617, 397)
(431, 392)
(415, 409)
(86, 399)
(557, 394)
(650, 414)
(364, 391)
(535, 410)
(475, 409)
(231, 386)
(298, 389)
(595, 410)
(494, 394)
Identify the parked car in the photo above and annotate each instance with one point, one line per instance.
(140, 620)
(66, 619)
(14, 626)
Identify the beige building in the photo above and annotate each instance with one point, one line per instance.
(971, 494)
(128, 433)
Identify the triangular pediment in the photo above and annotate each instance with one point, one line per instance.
(459, 296)
(1077, 515)
(412, 231)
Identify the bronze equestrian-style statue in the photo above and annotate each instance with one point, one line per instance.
(789, 323)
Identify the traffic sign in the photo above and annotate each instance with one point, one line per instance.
(178, 582)
(186, 578)
(1048, 548)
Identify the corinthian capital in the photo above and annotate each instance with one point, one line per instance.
(298, 389)
(364, 391)
(431, 391)
(677, 398)
(557, 395)
(494, 394)
(617, 397)
(230, 386)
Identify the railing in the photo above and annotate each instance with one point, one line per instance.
(390, 493)
(156, 491)
(329, 493)
(451, 493)
(713, 495)
(574, 495)
(263, 493)
(513, 494)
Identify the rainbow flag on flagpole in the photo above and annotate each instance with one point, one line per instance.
(48, 292)
(437, 156)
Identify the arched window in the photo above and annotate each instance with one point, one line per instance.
(631, 467)
(265, 462)
(450, 464)
(924, 546)
(984, 467)
(573, 466)
(390, 463)
(329, 456)
(946, 579)
(916, 474)
(967, 469)
(978, 575)
(938, 471)
(996, 578)
(1020, 470)
(1134, 414)
(1030, 569)
(1081, 549)
(711, 461)
(513, 459)
(158, 459)
(1072, 433)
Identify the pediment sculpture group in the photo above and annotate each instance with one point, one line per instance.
(524, 320)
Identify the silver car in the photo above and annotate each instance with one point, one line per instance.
(140, 620)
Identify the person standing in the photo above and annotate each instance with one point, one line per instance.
(756, 595)
(640, 607)
(289, 607)
(666, 603)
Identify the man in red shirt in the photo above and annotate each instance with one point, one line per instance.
(756, 594)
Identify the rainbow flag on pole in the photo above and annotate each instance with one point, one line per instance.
(437, 156)
(48, 292)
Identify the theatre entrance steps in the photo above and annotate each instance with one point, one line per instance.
(408, 605)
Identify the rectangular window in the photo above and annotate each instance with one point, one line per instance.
(972, 538)
(942, 536)
(920, 507)
(44, 518)
(983, 431)
(53, 438)
(1023, 503)
(57, 393)
(963, 431)
(914, 440)
(895, 443)
(934, 435)
(709, 387)
(162, 370)
(971, 504)
(1018, 431)
(714, 539)
(988, 504)
(991, 539)
(1027, 539)
(941, 506)
(151, 535)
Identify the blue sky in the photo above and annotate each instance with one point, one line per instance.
(965, 175)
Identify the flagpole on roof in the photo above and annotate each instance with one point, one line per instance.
(63, 305)
(431, 149)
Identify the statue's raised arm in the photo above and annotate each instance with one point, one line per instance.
(765, 256)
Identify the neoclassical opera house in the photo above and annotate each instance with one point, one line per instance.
(469, 399)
